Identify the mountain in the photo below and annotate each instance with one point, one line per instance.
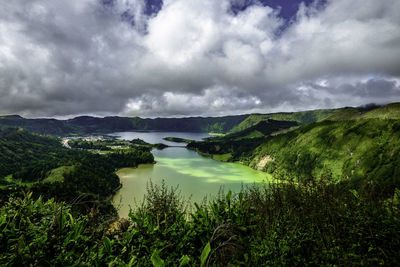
(228, 124)
(302, 117)
(354, 144)
(261, 129)
(41, 126)
(89, 125)
(389, 111)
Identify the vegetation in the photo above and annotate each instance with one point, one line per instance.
(41, 126)
(261, 129)
(361, 151)
(96, 145)
(339, 203)
(301, 118)
(349, 145)
(178, 140)
(42, 165)
(281, 224)
(92, 125)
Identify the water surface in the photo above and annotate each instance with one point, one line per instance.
(197, 176)
(157, 137)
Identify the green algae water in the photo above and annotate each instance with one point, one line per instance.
(196, 177)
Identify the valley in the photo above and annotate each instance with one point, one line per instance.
(323, 177)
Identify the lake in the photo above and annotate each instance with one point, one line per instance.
(157, 137)
(196, 176)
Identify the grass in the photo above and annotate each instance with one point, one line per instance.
(10, 181)
(253, 134)
(216, 134)
(222, 157)
(57, 174)
(287, 224)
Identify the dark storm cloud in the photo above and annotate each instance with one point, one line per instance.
(190, 57)
(376, 88)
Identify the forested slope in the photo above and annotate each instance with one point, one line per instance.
(366, 150)
(302, 117)
(27, 159)
(92, 125)
(358, 145)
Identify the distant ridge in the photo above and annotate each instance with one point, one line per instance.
(389, 111)
(97, 125)
(357, 145)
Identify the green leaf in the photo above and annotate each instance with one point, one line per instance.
(204, 254)
(132, 261)
(107, 245)
(355, 193)
(228, 196)
(184, 261)
(156, 260)
(241, 196)
(70, 217)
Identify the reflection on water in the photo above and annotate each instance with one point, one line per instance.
(157, 137)
(197, 176)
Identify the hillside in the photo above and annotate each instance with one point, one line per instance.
(29, 161)
(390, 111)
(302, 117)
(355, 145)
(340, 203)
(261, 129)
(89, 125)
(20, 148)
(363, 150)
(228, 124)
(233, 145)
(41, 126)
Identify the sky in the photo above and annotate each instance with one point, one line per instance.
(175, 58)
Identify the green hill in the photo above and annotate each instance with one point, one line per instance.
(91, 125)
(41, 126)
(390, 111)
(232, 124)
(301, 118)
(345, 114)
(260, 129)
(354, 144)
(41, 164)
(362, 150)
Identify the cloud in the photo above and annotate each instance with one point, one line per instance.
(189, 57)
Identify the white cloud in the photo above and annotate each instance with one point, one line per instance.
(194, 57)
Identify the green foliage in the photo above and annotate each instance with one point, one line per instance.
(218, 127)
(361, 151)
(204, 254)
(390, 111)
(41, 126)
(280, 224)
(57, 174)
(340, 204)
(41, 164)
(301, 118)
(156, 260)
(91, 125)
(260, 129)
(89, 145)
(21, 149)
(85, 124)
(33, 232)
(184, 261)
(177, 140)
